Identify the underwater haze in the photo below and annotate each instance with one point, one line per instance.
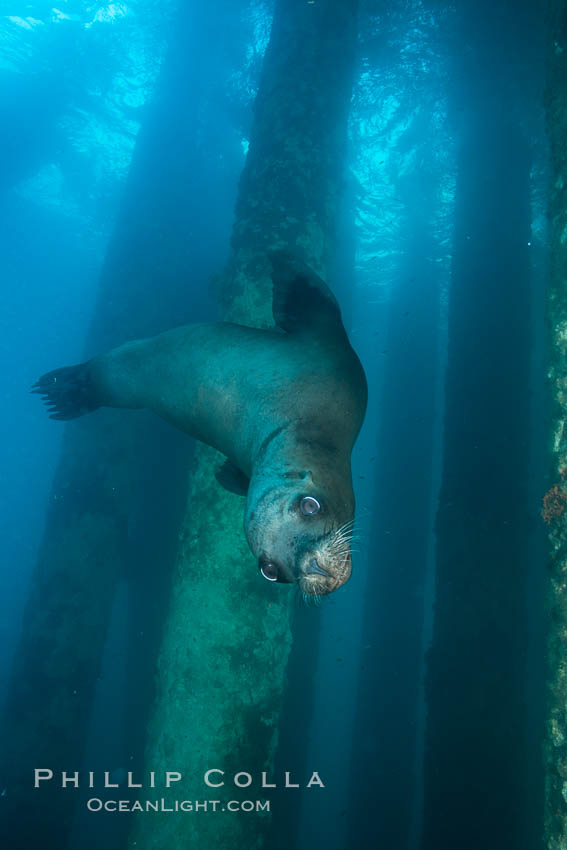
(153, 158)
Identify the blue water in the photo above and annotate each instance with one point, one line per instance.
(79, 87)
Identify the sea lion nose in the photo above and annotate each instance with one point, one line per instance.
(313, 567)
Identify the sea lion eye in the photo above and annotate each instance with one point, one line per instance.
(269, 571)
(310, 506)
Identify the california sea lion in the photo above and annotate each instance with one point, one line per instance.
(284, 406)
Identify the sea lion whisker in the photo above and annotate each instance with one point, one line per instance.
(337, 541)
(354, 525)
(341, 536)
(338, 544)
(344, 540)
(344, 536)
(346, 526)
(348, 541)
(339, 553)
(310, 600)
(350, 537)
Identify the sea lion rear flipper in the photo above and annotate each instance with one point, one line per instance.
(301, 299)
(232, 479)
(67, 392)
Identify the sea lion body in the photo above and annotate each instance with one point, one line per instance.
(283, 406)
(231, 386)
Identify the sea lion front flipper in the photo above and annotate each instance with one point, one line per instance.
(68, 392)
(301, 299)
(232, 479)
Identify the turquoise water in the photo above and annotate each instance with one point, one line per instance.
(416, 692)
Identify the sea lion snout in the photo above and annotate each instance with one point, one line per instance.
(313, 568)
(316, 574)
(325, 572)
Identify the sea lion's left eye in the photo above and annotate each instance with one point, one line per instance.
(269, 570)
(310, 506)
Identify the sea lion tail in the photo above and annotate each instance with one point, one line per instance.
(67, 392)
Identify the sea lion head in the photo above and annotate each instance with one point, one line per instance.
(299, 526)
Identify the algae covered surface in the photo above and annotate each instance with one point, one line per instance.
(221, 671)
(554, 501)
(222, 665)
